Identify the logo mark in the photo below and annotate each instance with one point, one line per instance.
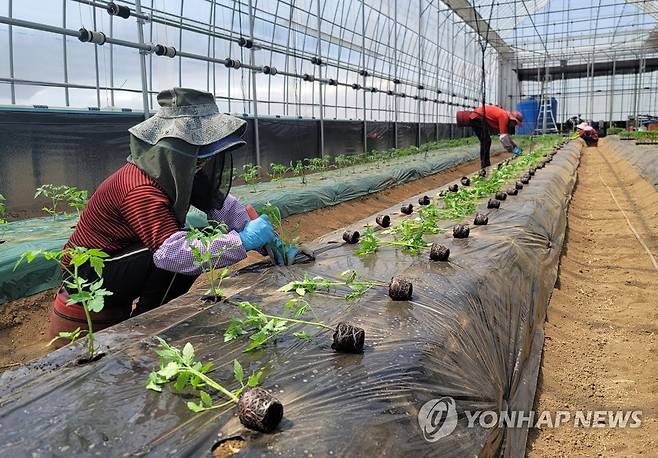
(438, 418)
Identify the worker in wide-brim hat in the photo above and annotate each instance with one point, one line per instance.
(588, 133)
(181, 156)
(492, 119)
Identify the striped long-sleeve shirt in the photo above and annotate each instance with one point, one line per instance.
(129, 207)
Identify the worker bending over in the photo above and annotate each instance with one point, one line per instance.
(497, 121)
(179, 157)
(588, 133)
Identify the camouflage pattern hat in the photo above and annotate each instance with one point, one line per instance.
(189, 115)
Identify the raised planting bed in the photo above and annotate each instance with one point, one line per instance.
(472, 330)
(644, 158)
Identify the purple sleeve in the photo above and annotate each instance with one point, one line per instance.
(232, 213)
(175, 254)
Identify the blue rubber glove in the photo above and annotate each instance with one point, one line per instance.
(517, 151)
(257, 233)
(284, 254)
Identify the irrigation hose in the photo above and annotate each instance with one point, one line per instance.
(637, 236)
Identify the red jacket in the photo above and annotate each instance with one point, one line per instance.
(497, 118)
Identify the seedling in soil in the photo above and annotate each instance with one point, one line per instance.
(77, 199)
(201, 242)
(493, 203)
(57, 195)
(357, 286)
(439, 252)
(383, 220)
(480, 219)
(288, 237)
(465, 181)
(277, 171)
(318, 164)
(501, 195)
(407, 209)
(351, 237)
(411, 241)
(3, 209)
(341, 161)
(425, 200)
(257, 409)
(298, 169)
(89, 294)
(461, 231)
(264, 327)
(250, 175)
(400, 289)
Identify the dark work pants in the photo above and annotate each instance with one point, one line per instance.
(131, 274)
(481, 131)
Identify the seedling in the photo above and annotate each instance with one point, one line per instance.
(201, 244)
(3, 209)
(89, 294)
(298, 169)
(56, 193)
(288, 238)
(277, 171)
(257, 409)
(341, 161)
(318, 164)
(250, 174)
(77, 199)
(409, 240)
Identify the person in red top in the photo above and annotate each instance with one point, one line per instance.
(182, 156)
(497, 121)
(588, 133)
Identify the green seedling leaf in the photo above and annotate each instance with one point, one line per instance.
(206, 400)
(302, 335)
(194, 407)
(188, 353)
(169, 371)
(153, 382)
(254, 379)
(238, 372)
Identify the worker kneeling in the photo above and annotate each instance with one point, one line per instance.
(588, 133)
(179, 157)
(497, 121)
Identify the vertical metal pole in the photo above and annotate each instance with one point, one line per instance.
(98, 81)
(395, 64)
(591, 95)
(253, 83)
(420, 67)
(64, 50)
(11, 57)
(635, 94)
(612, 88)
(180, 43)
(544, 127)
(320, 87)
(111, 62)
(363, 67)
(142, 59)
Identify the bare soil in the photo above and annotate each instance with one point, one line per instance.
(601, 347)
(24, 322)
(228, 448)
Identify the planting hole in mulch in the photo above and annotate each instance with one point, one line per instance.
(97, 356)
(439, 252)
(351, 237)
(259, 410)
(228, 447)
(480, 219)
(407, 209)
(425, 200)
(493, 203)
(453, 187)
(466, 181)
(512, 191)
(461, 231)
(501, 195)
(518, 185)
(348, 338)
(400, 289)
(383, 220)
(443, 193)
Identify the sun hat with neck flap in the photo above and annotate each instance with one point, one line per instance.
(167, 147)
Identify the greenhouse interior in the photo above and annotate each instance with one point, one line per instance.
(260, 228)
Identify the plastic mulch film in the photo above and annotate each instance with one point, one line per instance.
(290, 195)
(473, 331)
(643, 157)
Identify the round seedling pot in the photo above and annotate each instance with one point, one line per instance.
(407, 209)
(512, 191)
(439, 252)
(453, 187)
(461, 231)
(259, 410)
(480, 219)
(518, 185)
(493, 203)
(531, 172)
(400, 289)
(348, 338)
(425, 200)
(501, 195)
(351, 237)
(383, 220)
(525, 179)
(466, 181)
